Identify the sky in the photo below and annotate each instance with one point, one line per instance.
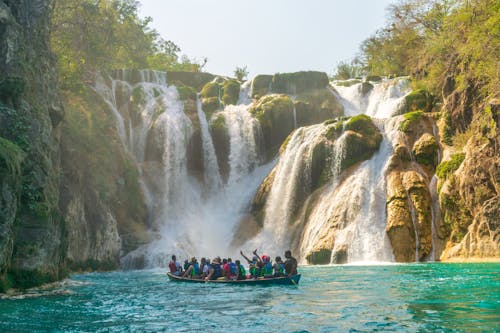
(267, 36)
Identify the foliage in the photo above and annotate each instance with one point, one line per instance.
(428, 38)
(11, 157)
(241, 73)
(89, 36)
(448, 167)
(348, 70)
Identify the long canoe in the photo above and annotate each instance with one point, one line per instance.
(285, 280)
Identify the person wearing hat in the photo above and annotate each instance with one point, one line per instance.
(193, 270)
(214, 271)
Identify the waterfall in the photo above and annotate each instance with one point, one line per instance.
(382, 101)
(354, 204)
(212, 175)
(186, 217)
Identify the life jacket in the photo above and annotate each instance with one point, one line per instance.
(232, 268)
(242, 271)
(281, 268)
(267, 269)
(217, 271)
(196, 269)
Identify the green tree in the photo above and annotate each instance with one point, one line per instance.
(98, 35)
(241, 73)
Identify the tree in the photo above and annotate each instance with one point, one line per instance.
(241, 73)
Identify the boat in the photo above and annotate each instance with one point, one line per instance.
(285, 280)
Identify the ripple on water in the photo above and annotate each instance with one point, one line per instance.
(396, 298)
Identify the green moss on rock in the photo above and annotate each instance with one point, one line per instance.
(186, 92)
(299, 82)
(210, 105)
(11, 157)
(275, 114)
(231, 92)
(195, 80)
(446, 168)
(410, 118)
(425, 150)
(211, 89)
(316, 106)
(261, 85)
(419, 99)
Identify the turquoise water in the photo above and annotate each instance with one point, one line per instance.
(394, 298)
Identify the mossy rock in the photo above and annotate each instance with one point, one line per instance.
(362, 137)
(220, 138)
(425, 150)
(210, 105)
(11, 158)
(231, 92)
(320, 257)
(11, 88)
(419, 99)
(320, 174)
(366, 87)
(410, 118)
(362, 124)
(24, 279)
(261, 85)
(211, 89)
(316, 106)
(299, 82)
(195, 80)
(275, 115)
(186, 92)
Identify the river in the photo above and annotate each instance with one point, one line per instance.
(424, 297)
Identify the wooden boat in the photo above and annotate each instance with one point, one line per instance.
(285, 280)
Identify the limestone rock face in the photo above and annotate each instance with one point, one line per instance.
(316, 106)
(470, 196)
(31, 113)
(409, 216)
(275, 114)
(408, 203)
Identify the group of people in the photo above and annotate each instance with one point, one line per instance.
(217, 268)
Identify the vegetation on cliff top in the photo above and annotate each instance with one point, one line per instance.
(89, 36)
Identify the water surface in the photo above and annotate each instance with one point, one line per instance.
(387, 298)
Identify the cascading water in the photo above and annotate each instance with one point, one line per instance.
(188, 217)
(212, 176)
(356, 203)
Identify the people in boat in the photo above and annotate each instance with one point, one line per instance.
(265, 265)
(203, 265)
(279, 267)
(229, 269)
(215, 270)
(253, 265)
(175, 266)
(193, 270)
(290, 264)
(186, 264)
(241, 274)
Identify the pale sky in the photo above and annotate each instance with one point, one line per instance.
(267, 36)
